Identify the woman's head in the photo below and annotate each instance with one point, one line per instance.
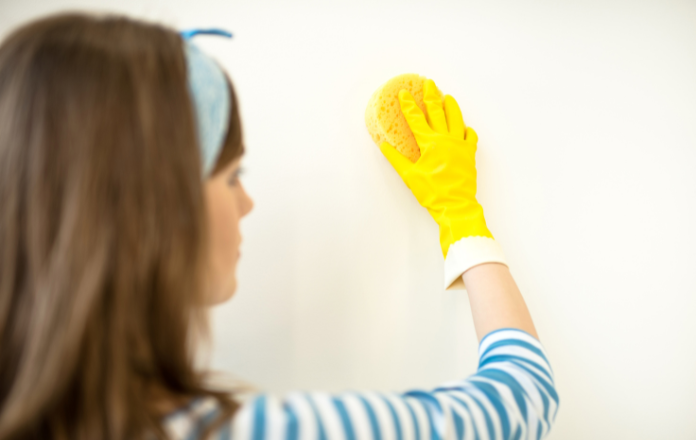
(107, 227)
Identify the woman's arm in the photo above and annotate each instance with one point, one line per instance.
(496, 301)
(511, 396)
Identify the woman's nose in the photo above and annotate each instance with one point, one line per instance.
(248, 204)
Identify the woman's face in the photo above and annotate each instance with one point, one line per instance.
(227, 203)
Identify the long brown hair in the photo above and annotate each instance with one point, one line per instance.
(103, 239)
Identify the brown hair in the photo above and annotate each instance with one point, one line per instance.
(103, 239)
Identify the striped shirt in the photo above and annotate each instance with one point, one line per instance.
(511, 396)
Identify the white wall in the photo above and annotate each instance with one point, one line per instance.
(586, 114)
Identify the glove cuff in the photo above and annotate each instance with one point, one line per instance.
(467, 253)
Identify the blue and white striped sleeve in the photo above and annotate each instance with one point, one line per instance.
(511, 396)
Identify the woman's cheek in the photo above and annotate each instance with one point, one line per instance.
(220, 233)
(227, 245)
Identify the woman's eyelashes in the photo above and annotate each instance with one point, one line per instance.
(234, 177)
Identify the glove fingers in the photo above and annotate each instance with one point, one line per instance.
(400, 162)
(415, 118)
(433, 104)
(454, 118)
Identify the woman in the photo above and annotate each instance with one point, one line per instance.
(120, 200)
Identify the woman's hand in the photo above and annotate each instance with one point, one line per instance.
(444, 177)
(444, 182)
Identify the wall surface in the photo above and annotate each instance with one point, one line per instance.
(586, 115)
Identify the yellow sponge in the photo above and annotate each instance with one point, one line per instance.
(386, 122)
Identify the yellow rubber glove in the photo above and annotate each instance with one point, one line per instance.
(443, 180)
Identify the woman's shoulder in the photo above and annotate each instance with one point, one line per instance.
(190, 420)
(186, 420)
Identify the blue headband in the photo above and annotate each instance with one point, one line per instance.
(211, 98)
